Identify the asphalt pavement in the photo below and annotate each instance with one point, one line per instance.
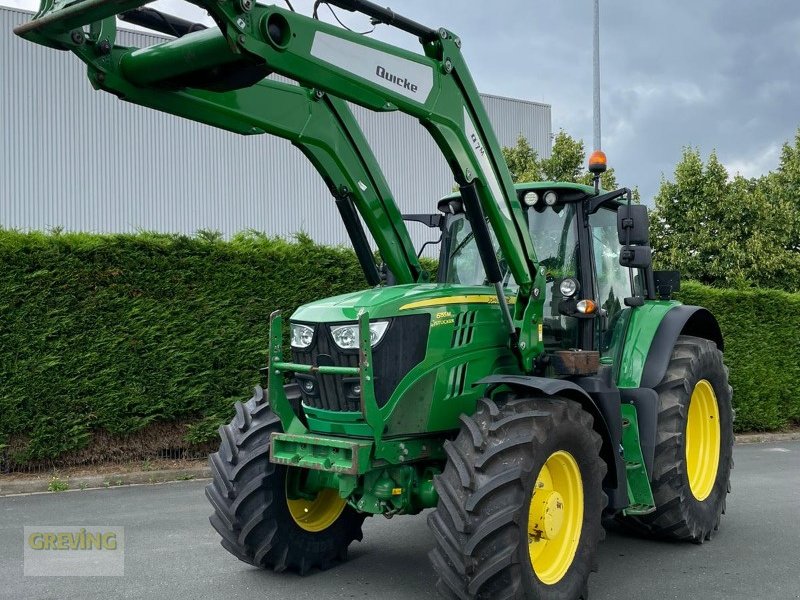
(171, 552)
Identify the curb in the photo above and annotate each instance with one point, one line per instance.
(767, 438)
(86, 482)
(41, 485)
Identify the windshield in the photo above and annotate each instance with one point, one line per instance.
(554, 234)
(555, 240)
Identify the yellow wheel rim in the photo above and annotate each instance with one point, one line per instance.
(702, 440)
(318, 514)
(555, 517)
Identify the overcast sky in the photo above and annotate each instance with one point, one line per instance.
(715, 74)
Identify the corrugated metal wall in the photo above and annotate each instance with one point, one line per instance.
(82, 160)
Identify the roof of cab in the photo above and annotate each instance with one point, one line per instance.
(540, 185)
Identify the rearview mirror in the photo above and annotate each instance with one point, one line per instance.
(635, 257)
(633, 225)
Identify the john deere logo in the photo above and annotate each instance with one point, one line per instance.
(398, 81)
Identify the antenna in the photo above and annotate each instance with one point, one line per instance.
(597, 144)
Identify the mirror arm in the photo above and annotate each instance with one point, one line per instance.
(597, 202)
(434, 221)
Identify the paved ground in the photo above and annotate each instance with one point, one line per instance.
(171, 551)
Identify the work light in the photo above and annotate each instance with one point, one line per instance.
(568, 287)
(530, 198)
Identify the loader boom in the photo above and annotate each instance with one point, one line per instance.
(220, 72)
(322, 127)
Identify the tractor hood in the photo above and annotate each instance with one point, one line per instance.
(391, 301)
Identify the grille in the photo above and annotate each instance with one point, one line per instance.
(401, 349)
(462, 329)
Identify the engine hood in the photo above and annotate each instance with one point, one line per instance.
(391, 301)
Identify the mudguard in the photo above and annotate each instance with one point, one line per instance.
(680, 320)
(606, 416)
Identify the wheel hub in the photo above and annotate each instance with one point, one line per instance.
(547, 513)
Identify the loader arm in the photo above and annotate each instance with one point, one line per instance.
(253, 40)
(320, 126)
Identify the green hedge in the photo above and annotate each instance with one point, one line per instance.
(116, 332)
(112, 333)
(762, 351)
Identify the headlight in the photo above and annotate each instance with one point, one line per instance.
(302, 335)
(346, 336)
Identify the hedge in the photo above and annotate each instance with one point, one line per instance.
(105, 336)
(762, 351)
(116, 332)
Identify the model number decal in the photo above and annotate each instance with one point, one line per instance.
(490, 177)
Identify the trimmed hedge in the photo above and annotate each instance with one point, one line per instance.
(110, 334)
(115, 332)
(762, 351)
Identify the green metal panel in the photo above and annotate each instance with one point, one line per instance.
(641, 330)
(438, 390)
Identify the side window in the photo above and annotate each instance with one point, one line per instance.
(464, 264)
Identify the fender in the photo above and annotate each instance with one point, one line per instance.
(680, 320)
(615, 483)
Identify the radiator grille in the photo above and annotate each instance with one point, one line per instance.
(401, 349)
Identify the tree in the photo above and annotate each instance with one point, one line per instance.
(734, 232)
(566, 163)
(523, 161)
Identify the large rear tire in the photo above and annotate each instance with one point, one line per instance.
(258, 523)
(694, 450)
(520, 503)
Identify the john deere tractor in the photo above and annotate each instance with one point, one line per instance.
(544, 382)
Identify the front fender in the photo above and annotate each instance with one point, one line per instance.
(605, 412)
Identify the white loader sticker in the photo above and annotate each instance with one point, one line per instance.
(486, 165)
(406, 77)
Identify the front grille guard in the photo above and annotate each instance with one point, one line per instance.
(278, 369)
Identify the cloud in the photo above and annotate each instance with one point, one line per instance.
(754, 165)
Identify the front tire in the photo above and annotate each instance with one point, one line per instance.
(520, 503)
(694, 450)
(258, 523)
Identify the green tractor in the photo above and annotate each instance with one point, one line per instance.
(546, 380)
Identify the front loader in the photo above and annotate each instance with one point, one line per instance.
(546, 381)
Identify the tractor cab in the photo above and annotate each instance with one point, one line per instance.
(578, 242)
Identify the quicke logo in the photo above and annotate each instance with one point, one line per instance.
(399, 81)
